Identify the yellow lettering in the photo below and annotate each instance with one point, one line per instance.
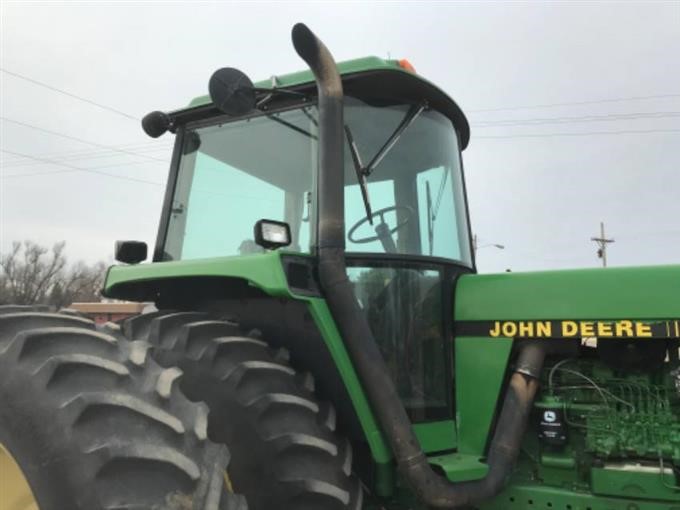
(587, 329)
(509, 329)
(496, 331)
(624, 328)
(643, 330)
(604, 329)
(543, 329)
(569, 328)
(526, 329)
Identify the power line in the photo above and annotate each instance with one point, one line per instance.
(586, 118)
(69, 137)
(574, 103)
(582, 133)
(78, 169)
(651, 233)
(74, 96)
(88, 155)
(36, 174)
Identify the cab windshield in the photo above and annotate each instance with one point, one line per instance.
(235, 173)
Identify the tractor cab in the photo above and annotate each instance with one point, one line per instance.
(405, 215)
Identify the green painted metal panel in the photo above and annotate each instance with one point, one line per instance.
(480, 369)
(357, 65)
(324, 321)
(436, 436)
(459, 467)
(612, 293)
(523, 497)
(262, 270)
(634, 484)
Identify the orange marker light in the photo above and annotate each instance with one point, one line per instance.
(406, 65)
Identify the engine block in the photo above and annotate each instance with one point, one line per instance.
(615, 414)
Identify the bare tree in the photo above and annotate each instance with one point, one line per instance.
(31, 274)
(29, 271)
(81, 283)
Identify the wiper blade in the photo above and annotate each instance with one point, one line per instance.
(440, 194)
(360, 172)
(433, 210)
(430, 215)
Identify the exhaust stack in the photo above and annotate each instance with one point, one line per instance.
(431, 488)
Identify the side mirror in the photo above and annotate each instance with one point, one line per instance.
(232, 91)
(130, 252)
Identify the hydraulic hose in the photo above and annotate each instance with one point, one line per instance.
(431, 488)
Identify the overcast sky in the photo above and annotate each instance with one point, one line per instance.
(538, 183)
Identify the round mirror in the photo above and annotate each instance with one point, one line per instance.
(232, 91)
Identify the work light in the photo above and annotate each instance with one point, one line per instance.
(272, 234)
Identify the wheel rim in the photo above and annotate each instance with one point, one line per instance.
(16, 493)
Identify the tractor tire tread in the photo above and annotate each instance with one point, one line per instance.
(99, 422)
(243, 379)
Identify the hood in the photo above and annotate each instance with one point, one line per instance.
(635, 293)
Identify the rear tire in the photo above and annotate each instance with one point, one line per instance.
(93, 423)
(285, 452)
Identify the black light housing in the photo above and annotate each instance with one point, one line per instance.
(131, 252)
(156, 123)
(272, 234)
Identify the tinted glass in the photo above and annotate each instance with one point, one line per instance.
(404, 310)
(242, 172)
(231, 175)
(418, 180)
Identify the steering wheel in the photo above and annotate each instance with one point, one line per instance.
(381, 213)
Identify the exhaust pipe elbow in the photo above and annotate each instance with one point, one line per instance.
(315, 53)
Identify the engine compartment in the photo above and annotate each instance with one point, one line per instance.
(607, 421)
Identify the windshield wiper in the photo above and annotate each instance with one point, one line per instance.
(362, 171)
(361, 174)
(433, 211)
(430, 216)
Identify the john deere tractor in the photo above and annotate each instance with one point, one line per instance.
(315, 286)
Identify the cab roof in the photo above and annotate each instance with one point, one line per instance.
(377, 78)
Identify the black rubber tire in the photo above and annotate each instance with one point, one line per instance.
(285, 451)
(94, 423)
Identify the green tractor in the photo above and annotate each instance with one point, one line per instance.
(315, 285)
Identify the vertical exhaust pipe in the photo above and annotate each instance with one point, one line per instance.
(431, 488)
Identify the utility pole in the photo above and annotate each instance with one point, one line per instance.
(602, 243)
